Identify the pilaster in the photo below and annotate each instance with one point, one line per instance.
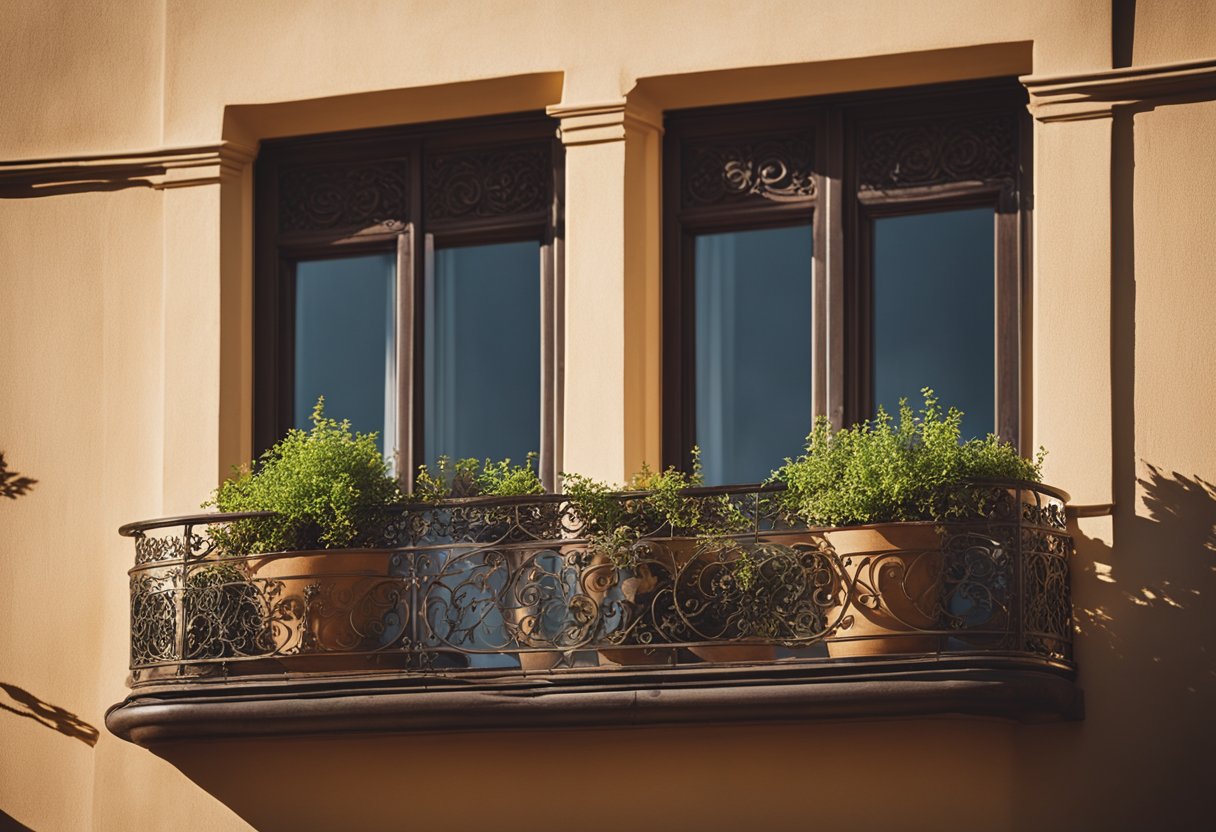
(612, 286)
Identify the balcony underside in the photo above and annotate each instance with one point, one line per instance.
(1014, 689)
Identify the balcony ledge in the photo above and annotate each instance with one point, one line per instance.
(1015, 689)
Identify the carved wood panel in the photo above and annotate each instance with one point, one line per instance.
(485, 183)
(982, 148)
(779, 169)
(347, 196)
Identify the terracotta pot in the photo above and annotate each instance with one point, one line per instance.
(527, 617)
(335, 607)
(672, 562)
(895, 572)
(641, 582)
(686, 551)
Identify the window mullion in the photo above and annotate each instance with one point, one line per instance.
(405, 451)
(830, 280)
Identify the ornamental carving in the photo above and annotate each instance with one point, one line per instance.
(336, 197)
(932, 152)
(488, 183)
(779, 169)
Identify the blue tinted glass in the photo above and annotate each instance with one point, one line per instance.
(935, 313)
(344, 346)
(753, 350)
(482, 377)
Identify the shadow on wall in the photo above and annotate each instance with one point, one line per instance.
(10, 824)
(1146, 652)
(12, 484)
(31, 707)
(1152, 600)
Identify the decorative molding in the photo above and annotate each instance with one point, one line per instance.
(932, 151)
(779, 169)
(604, 121)
(354, 196)
(488, 182)
(172, 167)
(1096, 94)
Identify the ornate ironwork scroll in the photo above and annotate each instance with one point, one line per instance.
(513, 585)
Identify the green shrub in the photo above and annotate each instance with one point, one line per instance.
(329, 487)
(470, 478)
(882, 471)
(614, 523)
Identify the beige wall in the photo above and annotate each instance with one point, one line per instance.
(124, 389)
(1143, 585)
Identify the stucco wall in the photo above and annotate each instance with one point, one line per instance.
(124, 390)
(1143, 584)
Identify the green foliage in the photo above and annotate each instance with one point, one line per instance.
(329, 487)
(615, 523)
(470, 478)
(883, 471)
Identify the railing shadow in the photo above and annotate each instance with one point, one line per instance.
(12, 484)
(52, 716)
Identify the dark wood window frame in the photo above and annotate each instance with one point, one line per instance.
(871, 155)
(405, 190)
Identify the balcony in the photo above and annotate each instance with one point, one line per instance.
(499, 612)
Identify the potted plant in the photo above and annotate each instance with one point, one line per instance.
(879, 494)
(624, 527)
(470, 500)
(321, 556)
(479, 509)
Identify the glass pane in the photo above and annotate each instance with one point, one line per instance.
(482, 376)
(935, 312)
(753, 350)
(345, 346)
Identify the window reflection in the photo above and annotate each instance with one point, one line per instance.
(753, 350)
(482, 354)
(344, 342)
(934, 312)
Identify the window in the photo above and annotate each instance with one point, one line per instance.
(409, 275)
(830, 256)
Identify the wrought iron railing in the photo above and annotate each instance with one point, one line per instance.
(512, 586)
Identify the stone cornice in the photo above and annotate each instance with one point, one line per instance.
(606, 121)
(1096, 94)
(173, 167)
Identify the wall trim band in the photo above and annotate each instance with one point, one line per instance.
(170, 167)
(1092, 95)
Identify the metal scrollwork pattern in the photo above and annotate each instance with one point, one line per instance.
(934, 151)
(344, 197)
(778, 169)
(513, 585)
(488, 183)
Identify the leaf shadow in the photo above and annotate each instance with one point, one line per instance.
(13, 484)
